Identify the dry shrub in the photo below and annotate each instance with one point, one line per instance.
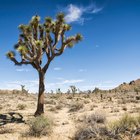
(59, 106)
(75, 107)
(86, 101)
(138, 118)
(96, 118)
(93, 127)
(1, 107)
(5, 130)
(40, 126)
(21, 106)
(124, 108)
(70, 97)
(94, 132)
(53, 109)
(51, 102)
(137, 97)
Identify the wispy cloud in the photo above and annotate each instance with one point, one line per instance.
(23, 70)
(76, 13)
(73, 81)
(96, 10)
(57, 68)
(82, 70)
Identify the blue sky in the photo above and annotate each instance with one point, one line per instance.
(107, 56)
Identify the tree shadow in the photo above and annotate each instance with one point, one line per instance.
(11, 117)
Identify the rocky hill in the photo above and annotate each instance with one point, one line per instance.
(131, 86)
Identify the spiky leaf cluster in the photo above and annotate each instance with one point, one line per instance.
(36, 40)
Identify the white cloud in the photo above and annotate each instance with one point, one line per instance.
(82, 70)
(23, 70)
(75, 13)
(57, 68)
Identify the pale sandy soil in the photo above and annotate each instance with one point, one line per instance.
(65, 123)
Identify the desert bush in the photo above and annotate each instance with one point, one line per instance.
(137, 97)
(1, 107)
(86, 96)
(124, 108)
(126, 123)
(115, 110)
(5, 130)
(93, 127)
(96, 118)
(53, 109)
(69, 97)
(76, 106)
(39, 126)
(59, 106)
(138, 119)
(51, 102)
(94, 132)
(86, 101)
(21, 106)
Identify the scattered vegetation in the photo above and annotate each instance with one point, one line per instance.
(127, 126)
(40, 126)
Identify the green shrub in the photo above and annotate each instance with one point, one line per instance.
(39, 126)
(126, 123)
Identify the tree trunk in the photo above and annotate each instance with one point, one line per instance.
(40, 104)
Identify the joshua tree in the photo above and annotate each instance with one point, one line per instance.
(23, 89)
(73, 89)
(37, 41)
(58, 91)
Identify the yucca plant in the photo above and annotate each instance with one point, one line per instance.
(37, 40)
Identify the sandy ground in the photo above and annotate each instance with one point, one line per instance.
(65, 122)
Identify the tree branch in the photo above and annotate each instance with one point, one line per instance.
(19, 63)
